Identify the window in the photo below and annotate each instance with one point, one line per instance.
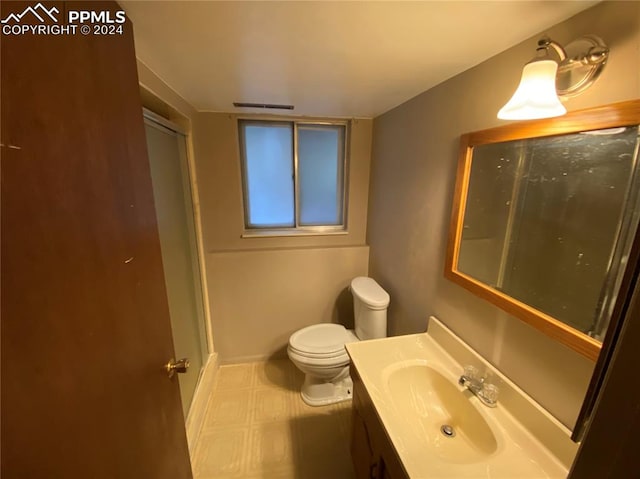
(293, 175)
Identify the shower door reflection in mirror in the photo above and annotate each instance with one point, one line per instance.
(549, 221)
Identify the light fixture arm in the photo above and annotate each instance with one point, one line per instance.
(596, 53)
(543, 48)
(585, 58)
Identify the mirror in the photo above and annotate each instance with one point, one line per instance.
(544, 217)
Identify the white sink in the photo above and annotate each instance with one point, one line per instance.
(439, 411)
(413, 384)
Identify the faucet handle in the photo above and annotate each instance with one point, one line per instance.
(471, 372)
(490, 393)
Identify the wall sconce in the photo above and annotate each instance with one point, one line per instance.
(545, 78)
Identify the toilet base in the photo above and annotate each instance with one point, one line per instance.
(316, 392)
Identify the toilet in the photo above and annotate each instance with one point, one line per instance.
(319, 352)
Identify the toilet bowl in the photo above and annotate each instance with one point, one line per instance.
(318, 350)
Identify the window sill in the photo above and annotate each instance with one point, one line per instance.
(291, 233)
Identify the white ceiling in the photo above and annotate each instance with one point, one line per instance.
(348, 59)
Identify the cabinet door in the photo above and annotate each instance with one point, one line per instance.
(365, 461)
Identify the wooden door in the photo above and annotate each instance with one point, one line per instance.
(85, 321)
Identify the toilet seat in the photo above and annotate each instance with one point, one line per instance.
(321, 343)
(319, 363)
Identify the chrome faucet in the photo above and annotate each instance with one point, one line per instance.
(486, 392)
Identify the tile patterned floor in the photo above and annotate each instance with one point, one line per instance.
(256, 426)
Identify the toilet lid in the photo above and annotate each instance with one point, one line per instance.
(324, 339)
(370, 292)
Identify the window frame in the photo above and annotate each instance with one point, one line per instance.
(297, 229)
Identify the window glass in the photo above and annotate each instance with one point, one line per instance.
(269, 178)
(280, 193)
(320, 171)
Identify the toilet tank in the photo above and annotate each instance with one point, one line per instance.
(370, 304)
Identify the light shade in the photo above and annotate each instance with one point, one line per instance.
(536, 95)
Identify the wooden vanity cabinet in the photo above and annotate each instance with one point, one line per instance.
(372, 453)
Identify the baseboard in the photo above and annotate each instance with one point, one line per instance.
(200, 400)
(252, 358)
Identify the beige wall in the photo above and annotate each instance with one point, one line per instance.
(261, 297)
(412, 180)
(263, 289)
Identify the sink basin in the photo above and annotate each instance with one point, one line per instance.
(412, 382)
(427, 401)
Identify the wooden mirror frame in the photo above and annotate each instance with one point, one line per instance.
(610, 116)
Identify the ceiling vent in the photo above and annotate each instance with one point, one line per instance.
(270, 106)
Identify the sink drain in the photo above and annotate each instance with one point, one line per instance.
(448, 431)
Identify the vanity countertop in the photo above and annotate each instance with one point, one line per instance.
(413, 384)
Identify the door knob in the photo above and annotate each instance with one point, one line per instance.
(177, 366)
